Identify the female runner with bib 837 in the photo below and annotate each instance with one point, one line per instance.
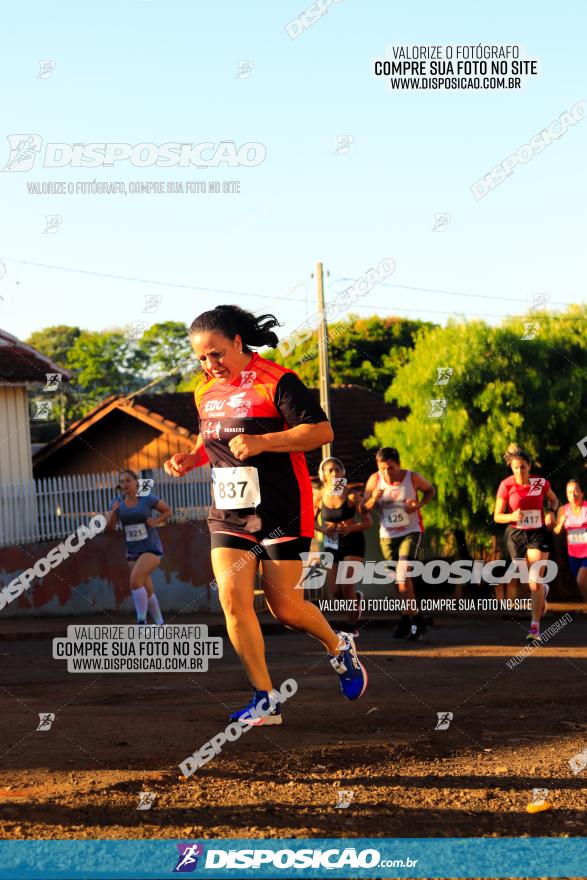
(257, 419)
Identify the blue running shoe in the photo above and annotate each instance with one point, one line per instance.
(352, 674)
(263, 709)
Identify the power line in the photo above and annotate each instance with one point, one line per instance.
(460, 293)
(140, 280)
(172, 284)
(389, 308)
(435, 312)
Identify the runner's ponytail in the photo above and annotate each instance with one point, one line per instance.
(232, 321)
(515, 451)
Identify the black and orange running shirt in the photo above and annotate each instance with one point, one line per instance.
(270, 493)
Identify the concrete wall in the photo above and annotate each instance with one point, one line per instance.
(96, 578)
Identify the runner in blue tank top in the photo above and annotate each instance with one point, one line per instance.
(143, 544)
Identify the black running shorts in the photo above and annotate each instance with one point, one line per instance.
(279, 551)
(520, 540)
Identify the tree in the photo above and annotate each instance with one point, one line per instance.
(55, 342)
(104, 363)
(363, 351)
(167, 354)
(109, 362)
(502, 388)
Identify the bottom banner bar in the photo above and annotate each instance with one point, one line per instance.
(324, 857)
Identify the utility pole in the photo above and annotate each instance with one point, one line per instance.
(63, 401)
(323, 352)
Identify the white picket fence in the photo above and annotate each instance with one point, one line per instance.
(55, 506)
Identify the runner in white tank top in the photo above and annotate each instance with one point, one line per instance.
(395, 493)
(395, 517)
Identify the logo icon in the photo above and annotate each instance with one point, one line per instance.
(23, 151)
(530, 330)
(578, 762)
(152, 302)
(539, 795)
(144, 487)
(247, 378)
(444, 719)
(343, 145)
(213, 431)
(238, 401)
(213, 406)
(52, 223)
(53, 380)
(136, 330)
(244, 69)
(46, 68)
(441, 221)
(46, 720)
(146, 800)
(344, 799)
(315, 568)
(42, 409)
(443, 375)
(539, 301)
(536, 485)
(187, 861)
(437, 408)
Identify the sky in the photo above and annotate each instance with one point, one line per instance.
(160, 71)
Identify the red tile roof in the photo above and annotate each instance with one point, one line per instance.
(178, 408)
(20, 363)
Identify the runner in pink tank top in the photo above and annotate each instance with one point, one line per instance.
(572, 517)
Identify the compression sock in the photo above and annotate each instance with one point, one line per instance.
(154, 610)
(141, 602)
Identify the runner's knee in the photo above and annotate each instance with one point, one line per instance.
(288, 615)
(234, 603)
(137, 580)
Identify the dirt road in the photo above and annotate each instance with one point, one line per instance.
(115, 736)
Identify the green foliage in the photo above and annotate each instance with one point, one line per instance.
(103, 363)
(167, 354)
(55, 342)
(503, 389)
(362, 351)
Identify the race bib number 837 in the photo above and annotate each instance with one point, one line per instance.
(236, 488)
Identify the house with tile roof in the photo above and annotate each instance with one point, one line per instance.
(141, 432)
(20, 368)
